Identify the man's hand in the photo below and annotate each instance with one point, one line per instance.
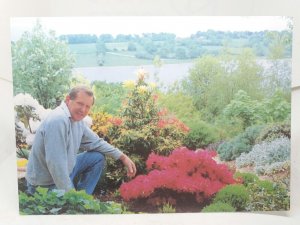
(130, 166)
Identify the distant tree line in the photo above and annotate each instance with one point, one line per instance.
(168, 45)
(79, 38)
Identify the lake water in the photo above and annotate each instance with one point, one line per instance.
(167, 74)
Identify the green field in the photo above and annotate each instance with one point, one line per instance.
(124, 60)
(86, 56)
(119, 46)
(118, 55)
(89, 48)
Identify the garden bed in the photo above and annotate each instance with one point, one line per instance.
(143, 206)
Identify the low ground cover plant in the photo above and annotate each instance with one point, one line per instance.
(251, 194)
(45, 202)
(246, 178)
(267, 196)
(242, 143)
(267, 157)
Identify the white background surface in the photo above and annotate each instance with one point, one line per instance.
(8, 182)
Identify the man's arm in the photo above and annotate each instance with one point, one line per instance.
(91, 141)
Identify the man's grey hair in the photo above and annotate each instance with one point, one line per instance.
(75, 90)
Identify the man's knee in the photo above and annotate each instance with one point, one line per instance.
(98, 157)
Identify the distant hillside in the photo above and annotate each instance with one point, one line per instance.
(133, 50)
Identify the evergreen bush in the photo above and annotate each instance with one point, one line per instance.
(219, 207)
(200, 135)
(274, 131)
(236, 195)
(240, 144)
(246, 178)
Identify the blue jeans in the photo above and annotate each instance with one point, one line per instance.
(85, 175)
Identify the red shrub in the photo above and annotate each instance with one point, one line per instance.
(166, 119)
(184, 171)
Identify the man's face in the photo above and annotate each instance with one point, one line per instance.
(80, 106)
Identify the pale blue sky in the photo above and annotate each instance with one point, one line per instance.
(182, 26)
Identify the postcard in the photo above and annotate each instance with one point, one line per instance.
(118, 115)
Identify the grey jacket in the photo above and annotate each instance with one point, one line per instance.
(56, 144)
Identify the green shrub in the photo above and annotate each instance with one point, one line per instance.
(108, 97)
(201, 135)
(268, 196)
(277, 108)
(219, 207)
(243, 108)
(144, 127)
(45, 202)
(246, 178)
(115, 174)
(274, 131)
(236, 195)
(185, 111)
(101, 123)
(227, 129)
(240, 144)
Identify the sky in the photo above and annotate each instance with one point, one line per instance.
(182, 26)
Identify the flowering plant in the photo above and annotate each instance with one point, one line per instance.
(28, 116)
(100, 123)
(142, 126)
(182, 172)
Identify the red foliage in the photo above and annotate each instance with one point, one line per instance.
(165, 119)
(162, 112)
(184, 171)
(116, 121)
(173, 121)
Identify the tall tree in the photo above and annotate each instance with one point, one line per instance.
(247, 75)
(202, 76)
(41, 66)
(213, 81)
(278, 76)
